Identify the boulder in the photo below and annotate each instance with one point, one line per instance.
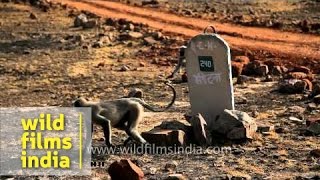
(242, 59)
(80, 20)
(174, 125)
(90, 24)
(125, 169)
(165, 137)
(293, 86)
(237, 68)
(296, 75)
(303, 69)
(256, 68)
(201, 133)
(262, 70)
(235, 125)
(276, 70)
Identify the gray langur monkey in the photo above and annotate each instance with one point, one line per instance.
(124, 114)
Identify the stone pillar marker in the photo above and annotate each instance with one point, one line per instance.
(208, 66)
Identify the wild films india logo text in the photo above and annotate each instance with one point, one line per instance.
(49, 141)
(37, 141)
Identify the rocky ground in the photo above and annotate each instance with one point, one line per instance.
(46, 61)
(293, 15)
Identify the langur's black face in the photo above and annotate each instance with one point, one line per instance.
(79, 102)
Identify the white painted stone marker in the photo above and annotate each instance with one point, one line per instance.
(208, 68)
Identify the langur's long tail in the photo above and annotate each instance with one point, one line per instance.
(151, 108)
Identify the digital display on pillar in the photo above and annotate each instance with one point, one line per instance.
(206, 63)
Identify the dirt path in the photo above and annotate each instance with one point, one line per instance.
(282, 44)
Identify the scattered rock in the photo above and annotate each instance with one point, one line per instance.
(33, 16)
(268, 78)
(221, 177)
(105, 39)
(241, 100)
(124, 68)
(187, 12)
(200, 130)
(138, 162)
(272, 63)
(309, 84)
(262, 70)
(315, 91)
(296, 75)
(100, 64)
(315, 153)
(313, 125)
(129, 27)
(316, 99)
(242, 177)
(255, 68)
(125, 169)
(162, 137)
(142, 64)
(242, 79)
(176, 177)
(235, 125)
(98, 44)
(237, 68)
(184, 77)
(299, 75)
(296, 110)
(305, 25)
(292, 86)
(157, 35)
(80, 20)
(171, 166)
(312, 107)
(174, 125)
(281, 130)
(302, 69)
(111, 22)
(242, 59)
(135, 35)
(149, 2)
(295, 120)
(314, 129)
(312, 120)
(79, 38)
(276, 70)
(149, 41)
(264, 129)
(90, 24)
